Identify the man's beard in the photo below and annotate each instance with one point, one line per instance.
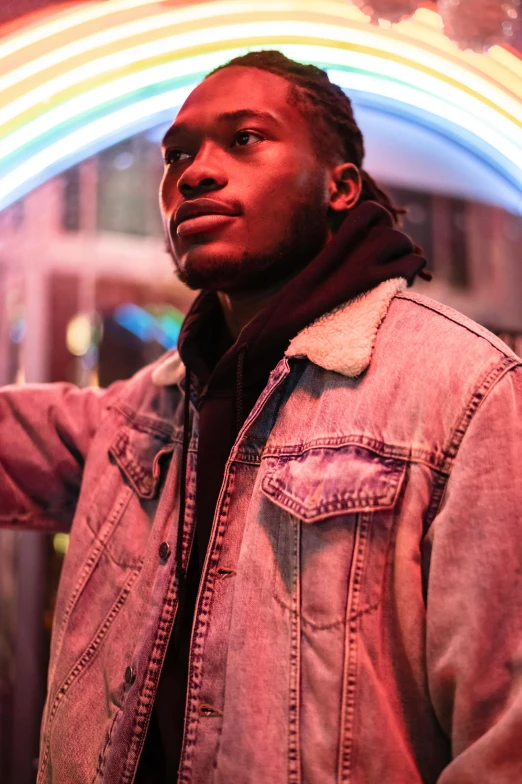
(305, 237)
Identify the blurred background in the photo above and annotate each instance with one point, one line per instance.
(87, 292)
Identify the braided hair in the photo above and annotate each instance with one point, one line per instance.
(328, 109)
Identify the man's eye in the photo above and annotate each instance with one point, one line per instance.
(245, 138)
(175, 156)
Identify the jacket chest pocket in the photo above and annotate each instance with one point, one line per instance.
(123, 498)
(335, 512)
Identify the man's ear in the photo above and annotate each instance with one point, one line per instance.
(345, 187)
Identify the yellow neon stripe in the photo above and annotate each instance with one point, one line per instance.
(129, 78)
(423, 31)
(506, 61)
(93, 54)
(98, 129)
(252, 31)
(192, 14)
(66, 20)
(424, 24)
(101, 93)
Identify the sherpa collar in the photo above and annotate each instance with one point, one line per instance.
(341, 340)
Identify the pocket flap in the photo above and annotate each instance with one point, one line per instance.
(137, 452)
(326, 481)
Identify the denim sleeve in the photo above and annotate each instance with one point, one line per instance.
(45, 434)
(474, 597)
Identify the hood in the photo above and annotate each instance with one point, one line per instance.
(366, 250)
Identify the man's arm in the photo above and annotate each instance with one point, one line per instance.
(45, 433)
(474, 599)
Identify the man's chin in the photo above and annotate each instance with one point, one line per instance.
(213, 273)
(227, 267)
(220, 267)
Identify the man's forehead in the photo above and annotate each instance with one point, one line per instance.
(239, 82)
(234, 90)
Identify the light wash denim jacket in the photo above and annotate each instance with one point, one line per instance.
(360, 612)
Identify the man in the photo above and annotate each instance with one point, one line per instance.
(295, 551)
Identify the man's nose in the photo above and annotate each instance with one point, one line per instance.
(200, 185)
(202, 176)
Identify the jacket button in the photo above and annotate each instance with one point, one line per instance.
(209, 710)
(164, 551)
(130, 675)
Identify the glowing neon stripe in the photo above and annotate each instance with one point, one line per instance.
(425, 94)
(170, 45)
(67, 20)
(96, 73)
(103, 128)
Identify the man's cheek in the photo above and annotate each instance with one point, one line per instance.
(275, 204)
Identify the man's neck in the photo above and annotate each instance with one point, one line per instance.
(239, 308)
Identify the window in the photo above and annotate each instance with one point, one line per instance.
(71, 199)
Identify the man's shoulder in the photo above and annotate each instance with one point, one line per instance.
(167, 370)
(430, 323)
(146, 391)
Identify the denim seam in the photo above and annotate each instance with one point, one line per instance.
(143, 423)
(152, 673)
(202, 615)
(294, 760)
(190, 528)
(108, 527)
(366, 610)
(405, 454)
(488, 383)
(351, 650)
(106, 746)
(441, 312)
(480, 394)
(248, 459)
(122, 564)
(340, 505)
(157, 655)
(97, 548)
(82, 663)
(127, 459)
(306, 621)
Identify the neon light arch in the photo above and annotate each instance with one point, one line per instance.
(86, 77)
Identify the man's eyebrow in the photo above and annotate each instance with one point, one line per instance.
(247, 114)
(239, 114)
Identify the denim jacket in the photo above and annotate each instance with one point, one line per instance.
(359, 617)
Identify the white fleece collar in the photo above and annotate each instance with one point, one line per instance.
(341, 340)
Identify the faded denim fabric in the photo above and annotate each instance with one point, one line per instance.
(360, 612)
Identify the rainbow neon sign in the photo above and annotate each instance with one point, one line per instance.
(78, 80)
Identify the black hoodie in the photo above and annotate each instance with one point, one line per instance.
(230, 375)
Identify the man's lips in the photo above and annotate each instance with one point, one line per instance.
(202, 223)
(201, 215)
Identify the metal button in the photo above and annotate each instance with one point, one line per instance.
(164, 551)
(130, 675)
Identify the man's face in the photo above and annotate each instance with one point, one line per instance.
(244, 197)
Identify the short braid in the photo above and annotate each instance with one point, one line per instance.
(329, 110)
